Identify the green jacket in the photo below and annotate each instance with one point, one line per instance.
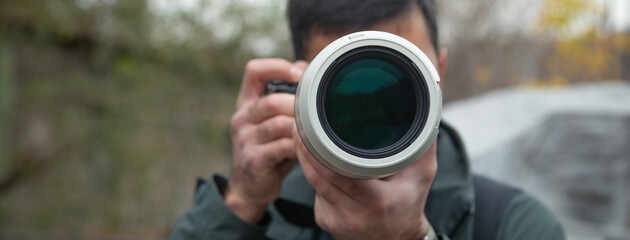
(450, 207)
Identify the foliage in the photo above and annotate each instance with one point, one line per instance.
(592, 54)
(493, 44)
(114, 108)
(559, 17)
(589, 57)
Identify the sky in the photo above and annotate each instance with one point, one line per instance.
(619, 14)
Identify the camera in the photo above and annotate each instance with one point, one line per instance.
(368, 105)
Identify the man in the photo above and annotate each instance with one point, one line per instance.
(270, 196)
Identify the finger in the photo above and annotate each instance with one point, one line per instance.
(257, 73)
(279, 126)
(330, 184)
(326, 215)
(269, 155)
(270, 105)
(323, 188)
(356, 188)
(297, 69)
(422, 170)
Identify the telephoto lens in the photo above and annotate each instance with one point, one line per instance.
(368, 105)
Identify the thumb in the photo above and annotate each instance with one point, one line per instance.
(297, 69)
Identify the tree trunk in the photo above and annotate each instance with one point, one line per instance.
(6, 109)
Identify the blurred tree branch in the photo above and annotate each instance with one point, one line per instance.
(6, 111)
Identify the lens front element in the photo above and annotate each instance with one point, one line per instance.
(370, 104)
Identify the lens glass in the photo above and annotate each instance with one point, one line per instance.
(370, 104)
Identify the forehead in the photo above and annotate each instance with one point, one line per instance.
(411, 25)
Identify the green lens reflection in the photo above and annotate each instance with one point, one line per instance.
(370, 104)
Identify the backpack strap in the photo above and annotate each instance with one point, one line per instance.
(491, 199)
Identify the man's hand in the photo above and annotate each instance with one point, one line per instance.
(389, 208)
(262, 129)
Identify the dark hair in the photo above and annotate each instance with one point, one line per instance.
(337, 16)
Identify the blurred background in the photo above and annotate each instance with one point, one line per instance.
(110, 109)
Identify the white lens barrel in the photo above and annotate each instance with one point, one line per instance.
(312, 132)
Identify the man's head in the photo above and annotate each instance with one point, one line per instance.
(316, 23)
(344, 206)
(313, 19)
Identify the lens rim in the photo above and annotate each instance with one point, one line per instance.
(409, 70)
(321, 146)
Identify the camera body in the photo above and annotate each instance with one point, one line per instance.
(368, 105)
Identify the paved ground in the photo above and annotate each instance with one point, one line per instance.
(570, 147)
